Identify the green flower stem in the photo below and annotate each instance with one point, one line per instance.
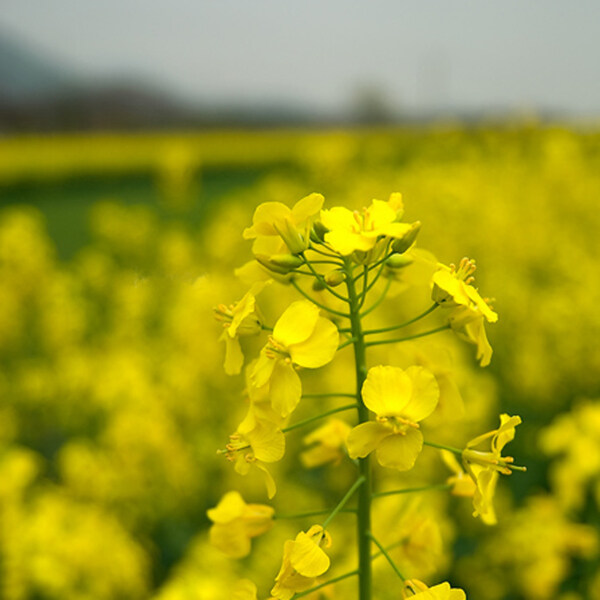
(443, 447)
(346, 343)
(317, 303)
(425, 488)
(326, 583)
(410, 337)
(312, 513)
(388, 557)
(405, 324)
(329, 395)
(322, 281)
(372, 284)
(343, 501)
(317, 417)
(374, 265)
(379, 300)
(364, 466)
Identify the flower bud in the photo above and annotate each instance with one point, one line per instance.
(334, 278)
(286, 261)
(318, 231)
(266, 262)
(402, 244)
(292, 238)
(398, 261)
(318, 285)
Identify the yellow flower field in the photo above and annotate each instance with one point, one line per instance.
(116, 409)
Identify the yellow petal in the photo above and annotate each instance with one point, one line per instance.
(285, 390)
(296, 323)
(346, 242)
(339, 217)
(387, 390)
(265, 216)
(380, 213)
(400, 451)
(230, 507)
(268, 443)
(425, 394)
(262, 370)
(364, 438)
(396, 204)
(234, 357)
(319, 348)
(307, 557)
(307, 207)
(269, 481)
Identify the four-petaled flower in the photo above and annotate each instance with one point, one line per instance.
(350, 231)
(485, 467)
(300, 337)
(235, 523)
(400, 399)
(240, 319)
(254, 443)
(303, 561)
(291, 224)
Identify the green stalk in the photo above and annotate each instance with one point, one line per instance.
(310, 420)
(343, 501)
(408, 337)
(365, 490)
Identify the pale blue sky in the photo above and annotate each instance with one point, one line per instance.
(461, 54)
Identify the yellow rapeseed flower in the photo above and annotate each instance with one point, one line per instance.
(235, 523)
(413, 588)
(300, 337)
(350, 231)
(400, 399)
(254, 443)
(485, 467)
(303, 561)
(239, 319)
(292, 225)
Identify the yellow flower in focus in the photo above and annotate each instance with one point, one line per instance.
(236, 522)
(256, 442)
(413, 588)
(484, 467)
(351, 231)
(326, 444)
(300, 337)
(452, 287)
(239, 319)
(400, 399)
(292, 225)
(303, 561)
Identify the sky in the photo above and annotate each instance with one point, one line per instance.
(430, 54)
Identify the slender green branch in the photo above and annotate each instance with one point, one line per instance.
(363, 295)
(343, 501)
(326, 583)
(425, 488)
(443, 447)
(317, 303)
(312, 513)
(318, 417)
(347, 343)
(265, 328)
(388, 557)
(374, 265)
(408, 338)
(322, 281)
(379, 300)
(405, 324)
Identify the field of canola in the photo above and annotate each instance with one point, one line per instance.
(114, 399)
